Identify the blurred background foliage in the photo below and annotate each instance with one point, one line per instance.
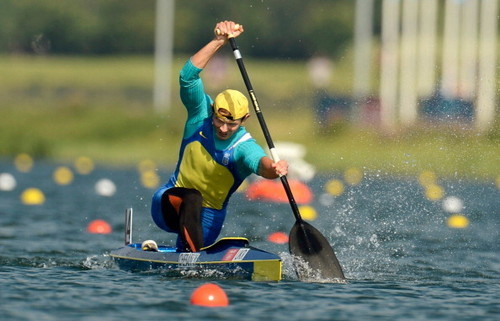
(77, 79)
(292, 29)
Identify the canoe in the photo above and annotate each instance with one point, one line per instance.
(228, 258)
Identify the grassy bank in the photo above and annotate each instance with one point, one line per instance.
(101, 107)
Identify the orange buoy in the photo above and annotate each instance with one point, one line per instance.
(278, 238)
(99, 227)
(209, 295)
(273, 191)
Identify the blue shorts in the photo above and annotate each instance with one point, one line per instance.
(211, 219)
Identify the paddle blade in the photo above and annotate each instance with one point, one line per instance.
(308, 244)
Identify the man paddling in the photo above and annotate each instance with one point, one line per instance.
(216, 155)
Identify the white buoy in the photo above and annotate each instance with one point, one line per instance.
(294, 153)
(7, 182)
(453, 204)
(105, 187)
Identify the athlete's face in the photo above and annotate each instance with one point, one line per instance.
(225, 128)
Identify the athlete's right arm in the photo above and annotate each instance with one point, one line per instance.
(271, 170)
(191, 86)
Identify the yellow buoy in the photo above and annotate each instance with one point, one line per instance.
(150, 179)
(84, 165)
(63, 175)
(308, 212)
(353, 176)
(434, 192)
(427, 178)
(146, 165)
(32, 196)
(23, 162)
(458, 221)
(335, 187)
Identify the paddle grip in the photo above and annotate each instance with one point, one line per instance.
(236, 27)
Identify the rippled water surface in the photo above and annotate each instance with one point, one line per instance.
(400, 256)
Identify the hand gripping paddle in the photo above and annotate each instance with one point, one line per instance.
(305, 241)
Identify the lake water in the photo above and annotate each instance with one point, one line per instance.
(402, 259)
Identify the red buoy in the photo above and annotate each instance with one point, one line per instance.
(278, 237)
(99, 227)
(273, 191)
(209, 295)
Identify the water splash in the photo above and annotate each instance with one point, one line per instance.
(97, 262)
(294, 265)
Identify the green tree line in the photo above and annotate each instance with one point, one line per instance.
(274, 28)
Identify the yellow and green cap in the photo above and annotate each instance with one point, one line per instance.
(234, 102)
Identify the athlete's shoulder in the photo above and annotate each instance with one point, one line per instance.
(247, 146)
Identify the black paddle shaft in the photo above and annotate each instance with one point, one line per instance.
(263, 125)
(305, 241)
